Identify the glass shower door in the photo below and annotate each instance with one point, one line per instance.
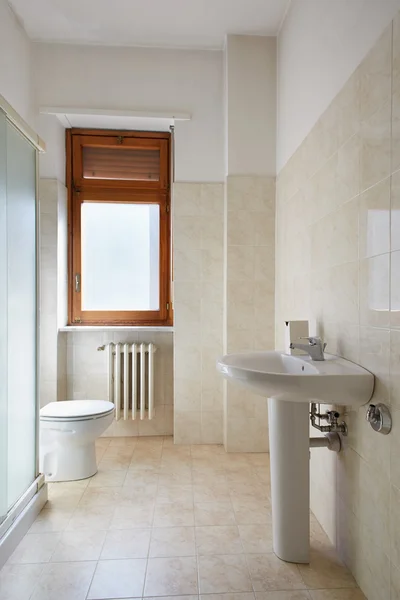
(3, 325)
(18, 317)
(21, 313)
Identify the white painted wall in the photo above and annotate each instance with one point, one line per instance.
(317, 33)
(146, 79)
(15, 77)
(250, 73)
(52, 162)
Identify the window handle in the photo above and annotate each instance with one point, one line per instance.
(77, 282)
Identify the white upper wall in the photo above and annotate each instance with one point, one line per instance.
(320, 45)
(143, 79)
(15, 77)
(250, 97)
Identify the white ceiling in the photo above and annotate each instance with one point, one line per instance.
(162, 23)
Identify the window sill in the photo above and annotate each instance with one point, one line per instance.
(83, 328)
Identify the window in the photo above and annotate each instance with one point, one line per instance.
(119, 227)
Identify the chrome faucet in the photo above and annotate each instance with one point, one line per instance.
(315, 347)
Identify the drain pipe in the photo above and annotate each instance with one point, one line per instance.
(331, 441)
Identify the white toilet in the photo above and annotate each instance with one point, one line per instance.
(68, 431)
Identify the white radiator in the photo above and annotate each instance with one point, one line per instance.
(131, 379)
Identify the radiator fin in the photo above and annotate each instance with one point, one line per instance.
(131, 380)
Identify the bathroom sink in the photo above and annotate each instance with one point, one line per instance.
(298, 378)
(290, 383)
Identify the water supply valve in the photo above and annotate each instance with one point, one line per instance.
(379, 417)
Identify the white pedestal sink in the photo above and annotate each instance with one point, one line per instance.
(290, 383)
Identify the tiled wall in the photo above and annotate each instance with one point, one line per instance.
(338, 261)
(87, 377)
(249, 300)
(198, 230)
(53, 201)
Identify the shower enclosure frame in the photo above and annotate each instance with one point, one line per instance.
(20, 516)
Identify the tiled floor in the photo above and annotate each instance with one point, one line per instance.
(164, 520)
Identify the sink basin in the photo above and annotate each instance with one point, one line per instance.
(298, 378)
(290, 383)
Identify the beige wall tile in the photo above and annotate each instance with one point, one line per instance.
(396, 52)
(395, 289)
(375, 356)
(376, 147)
(395, 212)
(374, 291)
(395, 583)
(344, 204)
(348, 170)
(374, 215)
(376, 76)
(396, 131)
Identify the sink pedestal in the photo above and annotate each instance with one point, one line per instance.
(290, 479)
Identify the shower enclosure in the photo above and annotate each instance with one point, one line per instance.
(19, 477)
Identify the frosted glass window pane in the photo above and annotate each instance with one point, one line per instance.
(120, 256)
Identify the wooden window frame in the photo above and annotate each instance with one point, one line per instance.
(119, 191)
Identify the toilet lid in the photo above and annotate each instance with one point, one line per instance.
(76, 409)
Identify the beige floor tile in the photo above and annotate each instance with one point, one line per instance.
(153, 499)
(175, 477)
(145, 462)
(325, 571)
(214, 513)
(18, 581)
(218, 539)
(118, 579)
(137, 494)
(171, 576)
(118, 452)
(35, 548)
(64, 498)
(251, 512)
(256, 539)
(99, 454)
(97, 518)
(200, 450)
(208, 478)
(269, 573)
(64, 581)
(114, 463)
(131, 442)
(172, 541)
(337, 595)
(211, 492)
(229, 596)
(105, 479)
(191, 597)
(136, 479)
(259, 459)
(134, 516)
(173, 514)
(175, 493)
(168, 442)
(101, 496)
(78, 546)
(51, 520)
(130, 543)
(253, 490)
(103, 442)
(292, 595)
(221, 574)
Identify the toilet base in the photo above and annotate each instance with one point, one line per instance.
(70, 463)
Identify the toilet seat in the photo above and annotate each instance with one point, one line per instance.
(76, 410)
